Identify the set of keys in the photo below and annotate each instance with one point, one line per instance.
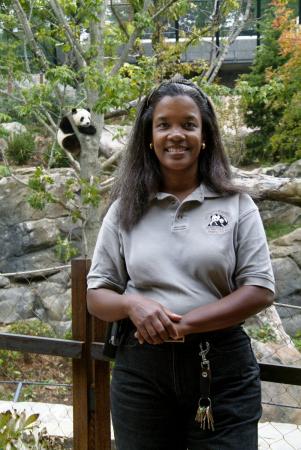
(204, 414)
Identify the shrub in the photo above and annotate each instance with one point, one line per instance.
(4, 171)
(263, 334)
(59, 159)
(20, 148)
(33, 327)
(285, 144)
(19, 431)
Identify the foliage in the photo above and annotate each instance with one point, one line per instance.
(297, 340)
(4, 171)
(39, 183)
(21, 431)
(57, 156)
(9, 363)
(20, 148)
(263, 334)
(33, 327)
(270, 93)
(64, 250)
(285, 143)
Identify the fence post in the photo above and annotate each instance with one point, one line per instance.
(102, 393)
(91, 379)
(82, 368)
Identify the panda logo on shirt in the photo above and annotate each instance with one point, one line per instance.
(218, 222)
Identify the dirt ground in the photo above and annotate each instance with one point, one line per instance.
(16, 367)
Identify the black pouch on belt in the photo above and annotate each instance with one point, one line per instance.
(116, 331)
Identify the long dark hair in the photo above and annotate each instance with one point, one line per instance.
(139, 175)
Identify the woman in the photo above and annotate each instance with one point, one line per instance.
(183, 256)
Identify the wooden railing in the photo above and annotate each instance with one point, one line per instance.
(91, 370)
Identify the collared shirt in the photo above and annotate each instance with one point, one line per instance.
(184, 254)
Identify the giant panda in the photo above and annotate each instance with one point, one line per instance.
(66, 137)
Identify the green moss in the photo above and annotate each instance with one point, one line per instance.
(277, 230)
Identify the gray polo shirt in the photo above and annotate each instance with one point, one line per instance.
(187, 254)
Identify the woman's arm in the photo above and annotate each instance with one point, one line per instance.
(230, 310)
(154, 323)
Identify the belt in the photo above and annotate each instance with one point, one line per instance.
(212, 336)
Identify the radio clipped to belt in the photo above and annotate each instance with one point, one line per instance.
(204, 413)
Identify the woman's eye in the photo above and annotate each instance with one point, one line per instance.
(162, 125)
(190, 125)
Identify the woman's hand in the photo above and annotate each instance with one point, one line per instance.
(154, 322)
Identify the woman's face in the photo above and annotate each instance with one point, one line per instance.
(177, 134)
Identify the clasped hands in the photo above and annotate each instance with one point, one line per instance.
(155, 324)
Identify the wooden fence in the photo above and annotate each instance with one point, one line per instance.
(91, 370)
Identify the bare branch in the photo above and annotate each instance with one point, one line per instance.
(59, 13)
(130, 43)
(29, 34)
(236, 30)
(122, 112)
(110, 161)
(163, 9)
(120, 23)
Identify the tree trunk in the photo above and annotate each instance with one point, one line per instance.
(266, 187)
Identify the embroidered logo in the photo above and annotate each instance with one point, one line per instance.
(218, 222)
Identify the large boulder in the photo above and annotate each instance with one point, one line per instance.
(286, 260)
(16, 303)
(274, 394)
(29, 236)
(13, 127)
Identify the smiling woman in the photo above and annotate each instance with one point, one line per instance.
(182, 259)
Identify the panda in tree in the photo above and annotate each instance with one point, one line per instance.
(66, 137)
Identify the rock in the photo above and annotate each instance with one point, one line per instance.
(273, 353)
(269, 319)
(294, 170)
(29, 236)
(14, 127)
(16, 303)
(288, 276)
(4, 282)
(3, 147)
(61, 328)
(113, 139)
(288, 245)
(53, 298)
(285, 213)
(63, 277)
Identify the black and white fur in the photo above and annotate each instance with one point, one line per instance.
(66, 137)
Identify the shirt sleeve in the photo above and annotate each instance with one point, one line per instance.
(253, 264)
(108, 268)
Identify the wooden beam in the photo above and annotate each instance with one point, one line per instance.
(276, 373)
(42, 345)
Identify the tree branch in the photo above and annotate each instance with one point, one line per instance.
(120, 23)
(217, 62)
(29, 34)
(266, 187)
(59, 13)
(130, 43)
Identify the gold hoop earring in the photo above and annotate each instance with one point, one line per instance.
(203, 145)
(151, 146)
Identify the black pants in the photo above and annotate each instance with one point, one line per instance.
(155, 391)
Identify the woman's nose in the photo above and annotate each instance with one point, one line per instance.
(176, 133)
